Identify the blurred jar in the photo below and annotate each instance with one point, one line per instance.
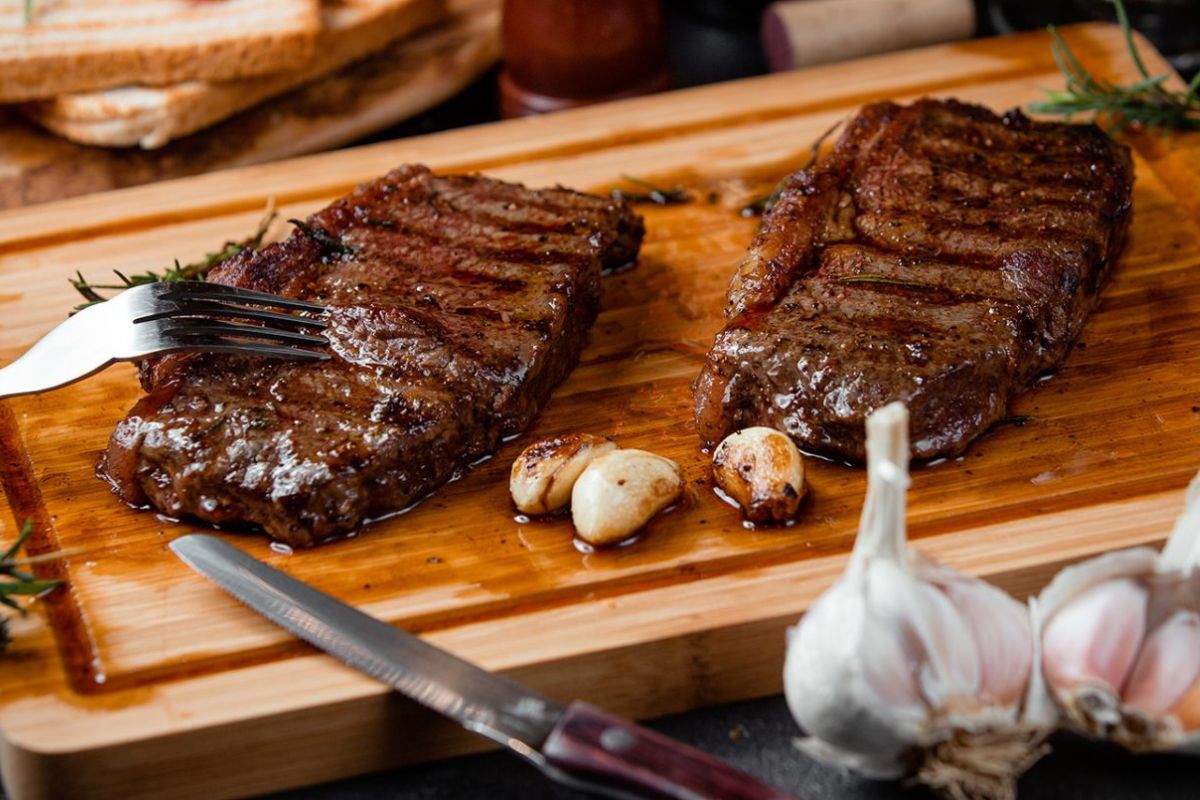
(566, 53)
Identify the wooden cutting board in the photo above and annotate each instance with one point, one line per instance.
(140, 679)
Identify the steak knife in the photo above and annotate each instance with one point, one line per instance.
(578, 745)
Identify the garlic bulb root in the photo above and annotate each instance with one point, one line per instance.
(971, 765)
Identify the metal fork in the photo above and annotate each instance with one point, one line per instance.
(167, 317)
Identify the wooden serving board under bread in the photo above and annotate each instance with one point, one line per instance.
(141, 679)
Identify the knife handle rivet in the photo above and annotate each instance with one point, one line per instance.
(616, 740)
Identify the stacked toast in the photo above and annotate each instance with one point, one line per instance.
(142, 73)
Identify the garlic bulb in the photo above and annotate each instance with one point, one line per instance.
(905, 666)
(1120, 642)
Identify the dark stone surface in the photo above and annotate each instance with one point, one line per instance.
(757, 737)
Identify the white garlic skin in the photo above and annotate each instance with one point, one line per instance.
(544, 475)
(621, 491)
(762, 470)
(999, 625)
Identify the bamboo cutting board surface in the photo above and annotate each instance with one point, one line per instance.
(140, 672)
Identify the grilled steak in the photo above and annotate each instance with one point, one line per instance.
(941, 255)
(456, 304)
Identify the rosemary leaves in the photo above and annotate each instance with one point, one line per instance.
(16, 582)
(885, 280)
(1143, 104)
(652, 193)
(756, 208)
(195, 271)
(325, 239)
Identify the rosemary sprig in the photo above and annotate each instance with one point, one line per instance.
(886, 280)
(761, 205)
(756, 208)
(652, 194)
(324, 238)
(16, 582)
(1143, 104)
(195, 271)
(28, 12)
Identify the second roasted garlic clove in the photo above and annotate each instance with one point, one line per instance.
(620, 492)
(545, 473)
(762, 470)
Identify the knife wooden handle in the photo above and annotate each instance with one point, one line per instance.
(603, 748)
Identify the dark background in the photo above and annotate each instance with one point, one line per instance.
(718, 40)
(715, 40)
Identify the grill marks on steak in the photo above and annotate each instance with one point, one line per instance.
(456, 304)
(940, 255)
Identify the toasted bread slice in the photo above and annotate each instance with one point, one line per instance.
(152, 116)
(81, 45)
(406, 78)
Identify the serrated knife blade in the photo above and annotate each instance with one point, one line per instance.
(482, 701)
(577, 745)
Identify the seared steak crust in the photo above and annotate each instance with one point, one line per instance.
(941, 255)
(456, 304)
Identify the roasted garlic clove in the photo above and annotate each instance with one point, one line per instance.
(545, 473)
(620, 491)
(763, 471)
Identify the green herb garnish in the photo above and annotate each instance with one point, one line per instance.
(324, 238)
(196, 271)
(1143, 104)
(28, 12)
(652, 194)
(886, 280)
(16, 582)
(756, 208)
(760, 206)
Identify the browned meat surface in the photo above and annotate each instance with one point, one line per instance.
(456, 304)
(941, 255)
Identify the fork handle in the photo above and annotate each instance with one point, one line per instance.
(60, 357)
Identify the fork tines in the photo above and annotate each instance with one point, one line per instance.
(198, 316)
(199, 290)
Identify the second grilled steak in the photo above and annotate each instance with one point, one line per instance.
(941, 255)
(456, 304)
